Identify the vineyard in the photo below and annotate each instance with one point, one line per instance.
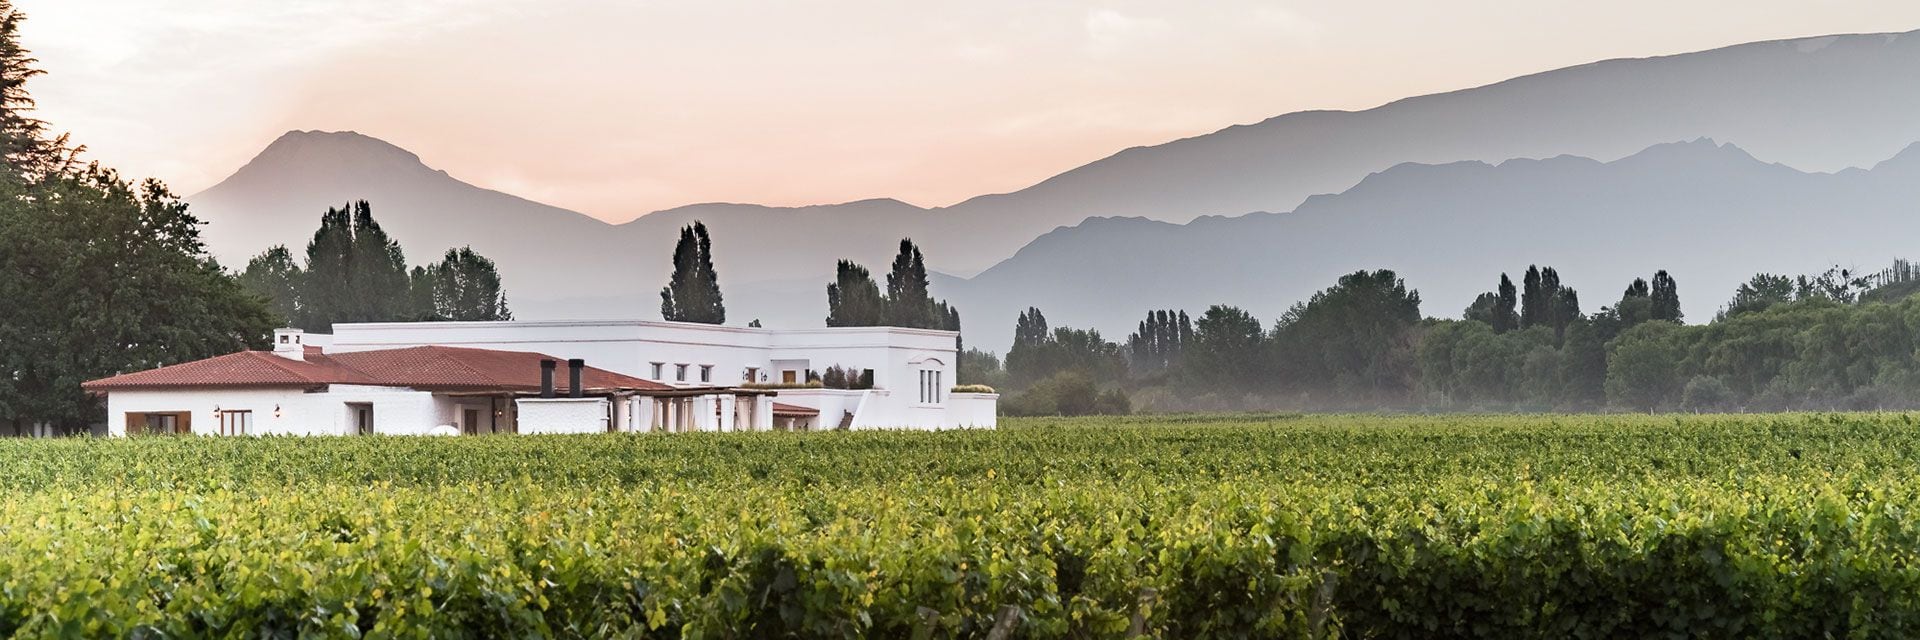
(1786, 526)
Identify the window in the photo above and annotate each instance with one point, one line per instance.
(236, 423)
(680, 373)
(706, 373)
(789, 377)
(166, 423)
(659, 370)
(930, 386)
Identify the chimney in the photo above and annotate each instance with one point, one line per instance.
(546, 377)
(574, 368)
(287, 344)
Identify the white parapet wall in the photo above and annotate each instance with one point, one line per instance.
(563, 415)
(974, 410)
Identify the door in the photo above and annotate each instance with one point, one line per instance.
(362, 414)
(789, 377)
(470, 421)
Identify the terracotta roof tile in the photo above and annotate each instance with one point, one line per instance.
(429, 368)
(784, 409)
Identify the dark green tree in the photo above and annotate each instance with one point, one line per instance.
(1665, 298)
(30, 155)
(273, 275)
(101, 276)
(1763, 291)
(465, 285)
(355, 273)
(1505, 316)
(692, 294)
(1229, 351)
(1535, 305)
(853, 299)
(1159, 342)
(909, 303)
(1355, 338)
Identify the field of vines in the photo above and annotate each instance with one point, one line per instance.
(1787, 526)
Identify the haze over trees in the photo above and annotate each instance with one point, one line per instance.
(99, 274)
(355, 272)
(692, 293)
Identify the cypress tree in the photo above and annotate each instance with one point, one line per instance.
(1504, 316)
(692, 294)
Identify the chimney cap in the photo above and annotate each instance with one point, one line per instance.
(287, 343)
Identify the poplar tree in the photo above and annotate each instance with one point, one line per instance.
(909, 304)
(1504, 316)
(1665, 297)
(692, 294)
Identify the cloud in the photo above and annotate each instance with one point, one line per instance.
(1110, 32)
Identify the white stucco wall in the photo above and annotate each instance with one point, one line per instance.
(288, 411)
(563, 415)
(896, 355)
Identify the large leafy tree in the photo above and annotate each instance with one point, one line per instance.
(1355, 337)
(465, 285)
(692, 293)
(103, 276)
(1229, 351)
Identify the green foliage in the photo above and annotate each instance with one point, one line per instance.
(1643, 369)
(1160, 343)
(1354, 339)
(692, 293)
(1229, 350)
(1245, 526)
(1081, 351)
(356, 273)
(1067, 393)
(464, 285)
(982, 368)
(100, 276)
(274, 276)
(853, 300)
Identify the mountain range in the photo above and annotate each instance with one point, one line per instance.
(1816, 104)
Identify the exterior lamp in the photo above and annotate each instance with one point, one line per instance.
(276, 411)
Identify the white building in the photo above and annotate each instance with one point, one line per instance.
(912, 370)
(500, 377)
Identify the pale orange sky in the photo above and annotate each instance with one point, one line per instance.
(616, 109)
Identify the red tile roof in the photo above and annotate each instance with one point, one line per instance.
(431, 368)
(784, 409)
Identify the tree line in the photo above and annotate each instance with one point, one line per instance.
(1835, 340)
(355, 272)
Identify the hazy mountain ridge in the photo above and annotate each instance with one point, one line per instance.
(1711, 214)
(1816, 103)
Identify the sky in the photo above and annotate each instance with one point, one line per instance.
(619, 108)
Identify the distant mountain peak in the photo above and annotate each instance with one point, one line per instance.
(304, 153)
